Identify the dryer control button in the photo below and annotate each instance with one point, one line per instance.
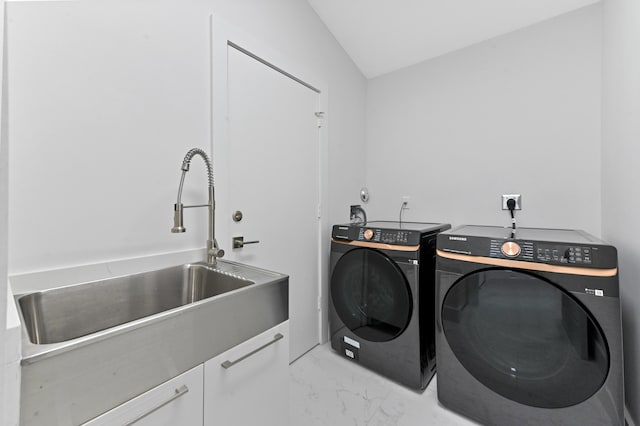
(510, 249)
(368, 234)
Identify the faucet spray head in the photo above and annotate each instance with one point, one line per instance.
(178, 225)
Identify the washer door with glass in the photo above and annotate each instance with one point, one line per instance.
(371, 295)
(525, 338)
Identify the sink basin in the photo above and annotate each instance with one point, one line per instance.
(89, 347)
(66, 313)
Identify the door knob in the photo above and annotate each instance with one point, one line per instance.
(239, 242)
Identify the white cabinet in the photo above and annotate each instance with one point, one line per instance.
(176, 402)
(252, 387)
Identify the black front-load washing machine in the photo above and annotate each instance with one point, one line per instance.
(528, 327)
(382, 297)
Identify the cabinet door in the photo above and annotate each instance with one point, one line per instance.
(176, 402)
(249, 383)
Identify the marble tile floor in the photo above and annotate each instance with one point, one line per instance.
(329, 390)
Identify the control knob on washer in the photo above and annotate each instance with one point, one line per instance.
(510, 249)
(368, 234)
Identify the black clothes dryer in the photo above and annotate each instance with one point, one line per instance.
(528, 327)
(382, 297)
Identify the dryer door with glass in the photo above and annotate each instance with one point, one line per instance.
(525, 338)
(371, 295)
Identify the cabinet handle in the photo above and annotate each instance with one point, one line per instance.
(177, 394)
(229, 364)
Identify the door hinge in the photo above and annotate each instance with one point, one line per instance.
(319, 211)
(319, 303)
(320, 116)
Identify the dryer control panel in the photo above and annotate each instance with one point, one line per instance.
(584, 253)
(567, 254)
(554, 254)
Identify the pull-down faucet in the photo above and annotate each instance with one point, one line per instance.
(213, 252)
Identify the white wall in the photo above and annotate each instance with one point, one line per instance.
(294, 29)
(516, 114)
(621, 172)
(4, 201)
(106, 97)
(104, 100)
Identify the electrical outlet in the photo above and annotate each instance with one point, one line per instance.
(516, 197)
(405, 201)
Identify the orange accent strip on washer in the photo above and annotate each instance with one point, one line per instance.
(376, 245)
(592, 272)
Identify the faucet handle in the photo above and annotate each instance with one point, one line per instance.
(217, 252)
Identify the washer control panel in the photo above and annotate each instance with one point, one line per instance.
(381, 235)
(384, 236)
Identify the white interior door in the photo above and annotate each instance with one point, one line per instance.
(274, 170)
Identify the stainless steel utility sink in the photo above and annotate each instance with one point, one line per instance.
(66, 313)
(89, 347)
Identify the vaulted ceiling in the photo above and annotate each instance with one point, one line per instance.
(382, 36)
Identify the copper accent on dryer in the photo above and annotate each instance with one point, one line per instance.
(510, 249)
(381, 246)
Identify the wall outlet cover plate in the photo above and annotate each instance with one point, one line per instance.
(516, 197)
